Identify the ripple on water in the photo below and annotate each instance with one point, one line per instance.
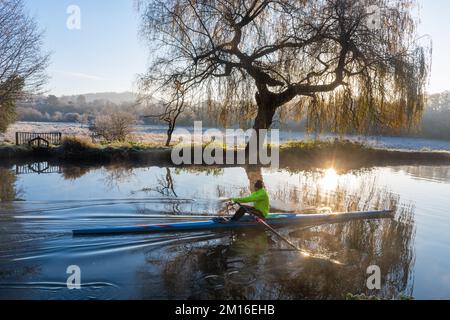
(36, 244)
(59, 290)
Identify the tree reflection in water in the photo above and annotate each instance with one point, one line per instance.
(255, 265)
(431, 173)
(165, 187)
(115, 175)
(74, 172)
(8, 190)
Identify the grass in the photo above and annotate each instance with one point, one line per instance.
(79, 149)
(294, 154)
(308, 145)
(82, 144)
(76, 144)
(9, 150)
(130, 145)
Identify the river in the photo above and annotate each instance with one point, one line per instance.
(37, 246)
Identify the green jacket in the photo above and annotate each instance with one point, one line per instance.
(260, 201)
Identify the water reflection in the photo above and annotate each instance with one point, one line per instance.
(322, 189)
(36, 245)
(429, 173)
(254, 265)
(8, 190)
(165, 187)
(74, 172)
(116, 175)
(38, 168)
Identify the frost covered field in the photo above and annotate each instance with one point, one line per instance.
(157, 134)
(74, 129)
(65, 128)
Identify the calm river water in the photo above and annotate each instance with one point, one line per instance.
(37, 247)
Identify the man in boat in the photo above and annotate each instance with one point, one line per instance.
(260, 200)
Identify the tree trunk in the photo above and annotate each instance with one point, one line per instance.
(263, 120)
(169, 135)
(254, 174)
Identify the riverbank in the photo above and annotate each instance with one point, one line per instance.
(296, 155)
(350, 155)
(151, 134)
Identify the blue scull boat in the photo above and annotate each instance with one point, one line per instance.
(274, 220)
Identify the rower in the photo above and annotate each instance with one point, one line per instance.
(260, 200)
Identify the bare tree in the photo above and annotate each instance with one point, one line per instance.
(172, 109)
(321, 57)
(22, 63)
(114, 126)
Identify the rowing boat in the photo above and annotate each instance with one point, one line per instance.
(274, 220)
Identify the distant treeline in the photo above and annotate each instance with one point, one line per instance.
(435, 123)
(54, 109)
(436, 119)
(79, 109)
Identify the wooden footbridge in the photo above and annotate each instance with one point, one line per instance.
(38, 168)
(40, 140)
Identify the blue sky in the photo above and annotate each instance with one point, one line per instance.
(106, 54)
(435, 21)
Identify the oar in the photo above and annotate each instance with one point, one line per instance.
(258, 219)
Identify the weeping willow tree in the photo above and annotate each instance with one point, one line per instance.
(321, 58)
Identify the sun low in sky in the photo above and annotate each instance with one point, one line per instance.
(105, 53)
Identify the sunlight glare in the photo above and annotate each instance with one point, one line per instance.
(330, 180)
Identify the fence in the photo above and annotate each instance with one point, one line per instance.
(38, 139)
(39, 168)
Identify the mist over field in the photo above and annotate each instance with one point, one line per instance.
(83, 108)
